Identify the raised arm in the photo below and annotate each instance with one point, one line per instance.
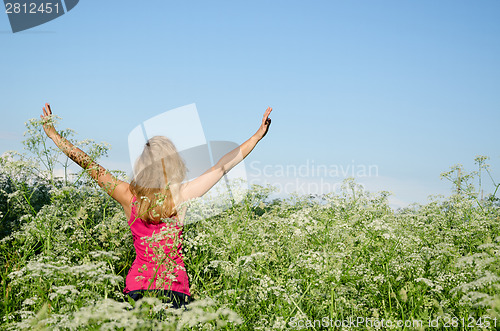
(201, 185)
(116, 188)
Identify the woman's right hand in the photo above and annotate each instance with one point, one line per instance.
(48, 127)
(266, 122)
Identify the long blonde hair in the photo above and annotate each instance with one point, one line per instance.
(158, 173)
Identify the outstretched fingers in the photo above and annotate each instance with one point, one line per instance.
(46, 110)
(268, 111)
(266, 118)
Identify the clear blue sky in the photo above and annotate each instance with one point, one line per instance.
(412, 87)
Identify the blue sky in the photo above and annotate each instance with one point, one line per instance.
(409, 86)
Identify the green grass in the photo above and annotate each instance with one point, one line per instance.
(263, 264)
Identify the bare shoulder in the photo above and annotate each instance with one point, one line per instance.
(180, 201)
(181, 197)
(124, 196)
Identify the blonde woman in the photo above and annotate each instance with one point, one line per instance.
(150, 203)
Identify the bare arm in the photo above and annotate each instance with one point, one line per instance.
(201, 185)
(116, 188)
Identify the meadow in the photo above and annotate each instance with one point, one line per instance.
(343, 261)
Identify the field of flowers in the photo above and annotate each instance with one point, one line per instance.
(344, 261)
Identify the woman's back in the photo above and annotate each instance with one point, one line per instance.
(158, 263)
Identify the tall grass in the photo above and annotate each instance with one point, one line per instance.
(303, 262)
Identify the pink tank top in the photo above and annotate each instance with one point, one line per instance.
(154, 245)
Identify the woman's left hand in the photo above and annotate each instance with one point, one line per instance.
(266, 122)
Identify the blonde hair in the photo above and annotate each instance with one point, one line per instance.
(158, 173)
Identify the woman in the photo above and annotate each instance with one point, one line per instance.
(151, 203)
